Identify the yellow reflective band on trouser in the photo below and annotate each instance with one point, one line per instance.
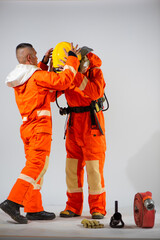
(71, 176)
(40, 177)
(71, 69)
(94, 177)
(83, 84)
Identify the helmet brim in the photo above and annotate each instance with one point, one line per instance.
(85, 50)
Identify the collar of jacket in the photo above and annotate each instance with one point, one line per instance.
(20, 75)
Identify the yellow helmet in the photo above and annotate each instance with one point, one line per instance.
(58, 53)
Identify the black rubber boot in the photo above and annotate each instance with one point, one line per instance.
(12, 209)
(40, 216)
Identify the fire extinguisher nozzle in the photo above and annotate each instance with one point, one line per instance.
(149, 204)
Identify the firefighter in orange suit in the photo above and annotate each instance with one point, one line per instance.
(34, 90)
(85, 137)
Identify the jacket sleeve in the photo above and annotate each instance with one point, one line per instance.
(92, 84)
(42, 66)
(52, 94)
(58, 81)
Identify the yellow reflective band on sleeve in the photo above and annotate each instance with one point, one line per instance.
(83, 84)
(43, 113)
(71, 69)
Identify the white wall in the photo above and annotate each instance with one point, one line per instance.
(126, 36)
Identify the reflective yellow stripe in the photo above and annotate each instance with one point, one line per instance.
(43, 113)
(30, 180)
(83, 84)
(94, 177)
(37, 186)
(26, 178)
(24, 119)
(71, 69)
(43, 170)
(71, 175)
(40, 177)
(95, 192)
(39, 113)
(85, 81)
(74, 190)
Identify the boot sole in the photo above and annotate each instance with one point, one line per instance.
(36, 216)
(36, 219)
(97, 217)
(68, 216)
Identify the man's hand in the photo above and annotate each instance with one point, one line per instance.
(51, 68)
(47, 56)
(75, 50)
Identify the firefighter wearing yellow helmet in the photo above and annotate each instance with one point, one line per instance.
(85, 133)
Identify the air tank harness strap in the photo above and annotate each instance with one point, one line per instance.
(93, 108)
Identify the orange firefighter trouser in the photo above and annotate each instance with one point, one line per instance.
(89, 150)
(26, 190)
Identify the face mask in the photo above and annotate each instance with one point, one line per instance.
(84, 64)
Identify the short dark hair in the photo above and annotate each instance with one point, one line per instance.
(23, 45)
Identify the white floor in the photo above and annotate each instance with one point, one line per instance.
(61, 228)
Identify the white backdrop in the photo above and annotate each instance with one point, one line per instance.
(126, 36)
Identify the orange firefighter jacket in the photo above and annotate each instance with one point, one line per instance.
(34, 90)
(87, 87)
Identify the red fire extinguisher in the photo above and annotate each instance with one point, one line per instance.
(144, 210)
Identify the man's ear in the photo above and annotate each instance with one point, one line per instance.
(29, 59)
